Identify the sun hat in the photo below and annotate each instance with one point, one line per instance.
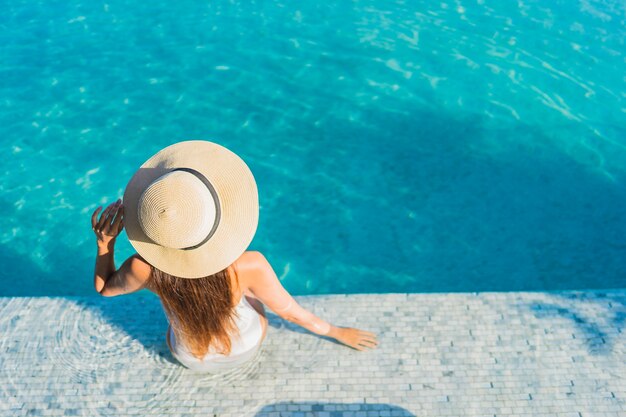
(191, 209)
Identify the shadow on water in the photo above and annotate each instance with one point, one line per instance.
(597, 318)
(297, 409)
(465, 207)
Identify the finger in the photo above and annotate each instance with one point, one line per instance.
(369, 340)
(351, 343)
(115, 226)
(103, 217)
(368, 343)
(121, 222)
(373, 339)
(113, 216)
(364, 333)
(366, 347)
(357, 347)
(94, 217)
(369, 336)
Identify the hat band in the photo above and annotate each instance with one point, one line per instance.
(218, 210)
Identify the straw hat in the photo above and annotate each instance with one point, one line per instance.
(192, 209)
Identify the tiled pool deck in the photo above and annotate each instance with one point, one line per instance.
(485, 354)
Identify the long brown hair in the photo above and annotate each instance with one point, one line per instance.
(201, 310)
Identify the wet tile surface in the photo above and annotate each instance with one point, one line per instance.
(471, 354)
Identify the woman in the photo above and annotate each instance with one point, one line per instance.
(190, 212)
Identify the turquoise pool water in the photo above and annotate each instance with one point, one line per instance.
(398, 146)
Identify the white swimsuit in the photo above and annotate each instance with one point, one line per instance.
(243, 347)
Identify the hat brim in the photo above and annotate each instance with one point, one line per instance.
(237, 196)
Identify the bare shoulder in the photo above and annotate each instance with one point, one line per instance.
(251, 259)
(248, 265)
(140, 269)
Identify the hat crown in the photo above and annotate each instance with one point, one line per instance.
(177, 210)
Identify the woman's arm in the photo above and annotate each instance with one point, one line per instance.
(132, 274)
(105, 266)
(264, 284)
(106, 230)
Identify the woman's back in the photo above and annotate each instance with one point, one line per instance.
(207, 306)
(245, 342)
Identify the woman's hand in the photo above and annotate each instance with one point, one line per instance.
(355, 338)
(110, 224)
